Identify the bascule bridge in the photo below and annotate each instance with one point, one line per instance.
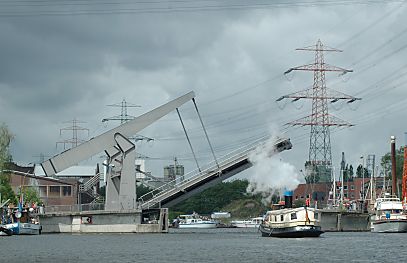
(121, 196)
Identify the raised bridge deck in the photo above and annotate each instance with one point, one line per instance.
(196, 181)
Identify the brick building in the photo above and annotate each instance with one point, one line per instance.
(59, 190)
(352, 190)
(52, 191)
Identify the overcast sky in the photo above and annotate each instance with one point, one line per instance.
(67, 59)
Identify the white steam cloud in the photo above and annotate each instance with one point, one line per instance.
(270, 173)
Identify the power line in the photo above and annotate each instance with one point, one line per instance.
(168, 8)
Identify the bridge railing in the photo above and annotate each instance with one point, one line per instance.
(74, 208)
(211, 167)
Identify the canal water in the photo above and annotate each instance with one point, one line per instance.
(211, 245)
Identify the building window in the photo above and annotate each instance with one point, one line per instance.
(352, 187)
(54, 191)
(293, 216)
(316, 216)
(296, 197)
(66, 190)
(43, 191)
(345, 187)
(282, 217)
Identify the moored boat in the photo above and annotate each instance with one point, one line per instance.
(194, 221)
(19, 221)
(389, 216)
(252, 223)
(21, 229)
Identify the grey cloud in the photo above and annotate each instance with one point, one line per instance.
(54, 69)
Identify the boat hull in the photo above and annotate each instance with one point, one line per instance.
(243, 225)
(291, 232)
(390, 226)
(198, 225)
(23, 229)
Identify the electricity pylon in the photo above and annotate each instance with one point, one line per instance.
(320, 157)
(75, 140)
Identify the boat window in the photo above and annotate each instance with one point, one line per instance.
(275, 218)
(282, 217)
(316, 216)
(293, 216)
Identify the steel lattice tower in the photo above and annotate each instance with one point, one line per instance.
(123, 117)
(320, 157)
(74, 141)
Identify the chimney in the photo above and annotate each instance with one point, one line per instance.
(288, 198)
(393, 165)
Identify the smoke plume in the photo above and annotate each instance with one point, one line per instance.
(270, 174)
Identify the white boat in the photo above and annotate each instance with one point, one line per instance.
(21, 229)
(389, 216)
(19, 221)
(252, 223)
(194, 221)
(291, 222)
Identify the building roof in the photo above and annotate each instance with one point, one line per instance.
(73, 171)
(51, 179)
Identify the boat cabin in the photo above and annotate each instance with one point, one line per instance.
(292, 217)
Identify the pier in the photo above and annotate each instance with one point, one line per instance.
(341, 221)
(100, 221)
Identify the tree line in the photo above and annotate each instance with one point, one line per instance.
(6, 191)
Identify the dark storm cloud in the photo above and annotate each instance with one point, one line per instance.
(56, 68)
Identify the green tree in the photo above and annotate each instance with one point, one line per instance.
(30, 196)
(359, 172)
(386, 163)
(215, 198)
(5, 157)
(351, 173)
(312, 173)
(348, 173)
(5, 140)
(6, 190)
